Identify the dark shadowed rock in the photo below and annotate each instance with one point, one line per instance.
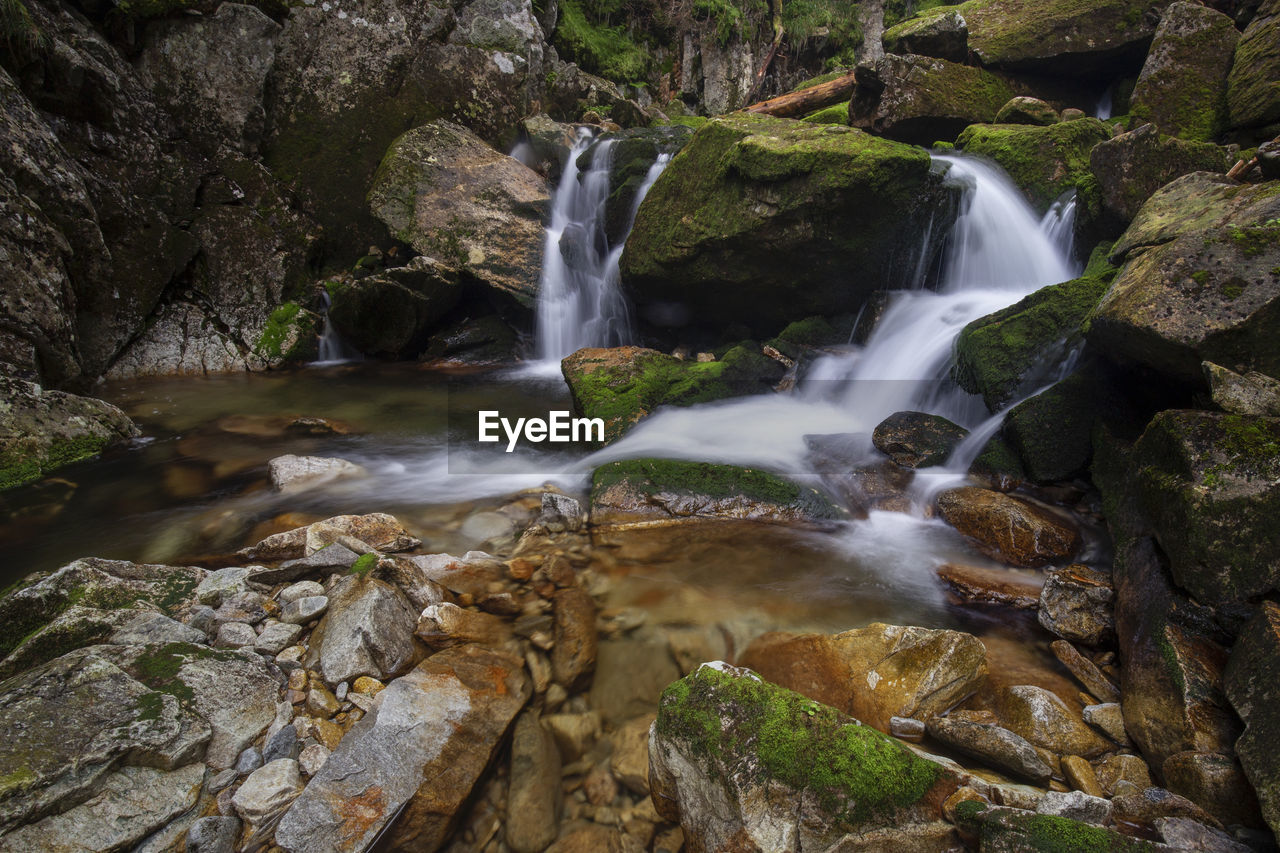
(917, 439)
(944, 35)
(1252, 95)
(1076, 604)
(1251, 680)
(1130, 167)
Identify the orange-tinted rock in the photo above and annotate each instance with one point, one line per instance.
(1004, 587)
(1008, 528)
(573, 657)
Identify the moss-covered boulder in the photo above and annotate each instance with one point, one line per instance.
(1210, 483)
(918, 99)
(1253, 87)
(631, 153)
(1009, 352)
(743, 764)
(624, 384)
(393, 313)
(1044, 162)
(719, 234)
(837, 114)
(1000, 829)
(1200, 281)
(671, 490)
(944, 35)
(41, 430)
(1252, 683)
(1130, 167)
(1052, 432)
(291, 336)
(445, 192)
(1027, 110)
(1183, 85)
(812, 333)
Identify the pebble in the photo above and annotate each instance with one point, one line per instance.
(320, 702)
(291, 658)
(213, 835)
(304, 610)
(1109, 718)
(341, 692)
(249, 761)
(313, 758)
(1085, 672)
(221, 779)
(367, 685)
(1081, 775)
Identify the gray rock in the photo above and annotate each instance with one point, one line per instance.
(291, 473)
(268, 791)
(276, 637)
(213, 835)
(151, 628)
(129, 805)
(222, 584)
(291, 658)
(1185, 834)
(1076, 604)
(313, 758)
(249, 761)
(301, 589)
(334, 558)
(202, 618)
(221, 779)
(449, 714)
(368, 630)
(1251, 394)
(558, 509)
(378, 530)
(533, 792)
(994, 745)
(235, 635)
(248, 607)
(945, 36)
(1075, 805)
(283, 744)
(303, 610)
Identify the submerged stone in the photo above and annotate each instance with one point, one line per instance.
(917, 439)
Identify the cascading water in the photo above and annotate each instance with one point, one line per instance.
(580, 300)
(332, 348)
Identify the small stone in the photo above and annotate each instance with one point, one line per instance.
(291, 658)
(235, 635)
(1076, 604)
(221, 779)
(283, 744)
(630, 759)
(1085, 672)
(1156, 803)
(574, 733)
(301, 589)
(1043, 719)
(1081, 775)
(304, 610)
(201, 618)
(213, 835)
(340, 692)
(600, 786)
(1114, 769)
(367, 685)
(1075, 805)
(248, 607)
(327, 732)
(268, 791)
(443, 625)
(222, 584)
(249, 761)
(313, 758)
(291, 473)
(320, 702)
(1181, 833)
(276, 636)
(993, 745)
(906, 728)
(1109, 718)
(298, 679)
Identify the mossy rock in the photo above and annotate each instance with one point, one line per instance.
(379, 315)
(624, 384)
(838, 114)
(762, 748)
(918, 99)
(1007, 830)
(1026, 110)
(291, 336)
(1253, 86)
(1252, 682)
(719, 234)
(1001, 354)
(1052, 432)
(1130, 167)
(942, 33)
(811, 333)
(672, 489)
(1210, 483)
(1183, 85)
(1044, 162)
(632, 153)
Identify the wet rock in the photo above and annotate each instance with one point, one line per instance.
(573, 657)
(993, 745)
(368, 630)
(685, 260)
(574, 734)
(919, 99)
(472, 574)
(1183, 833)
(378, 530)
(1006, 830)
(877, 672)
(235, 635)
(1008, 528)
(1210, 483)
(1026, 110)
(1045, 720)
(129, 805)
(276, 637)
(1109, 718)
(1191, 51)
(1075, 805)
(321, 702)
(1003, 587)
(1114, 769)
(710, 722)
(221, 584)
(1076, 603)
(1081, 776)
(1044, 162)
(917, 439)
(1131, 166)
(452, 197)
(1251, 394)
(581, 837)
(630, 759)
(302, 610)
(1251, 683)
(648, 490)
(432, 733)
(213, 835)
(945, 36)
(268, 791)
(392, 314)
(1196, 283)
(622, 385)
(907, 728)
(443, 625)
(296, 473)
(631, 673)
(151, 628)
(1155, 803)
(1252, 100)
(1216, 783)
(533, 793)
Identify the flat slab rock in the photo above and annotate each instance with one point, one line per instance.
(378, 530)
(1008, 528)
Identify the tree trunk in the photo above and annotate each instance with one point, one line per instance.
(807, 100)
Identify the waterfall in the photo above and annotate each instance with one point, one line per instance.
(1104, 107)
(580, 299)
(333, 349)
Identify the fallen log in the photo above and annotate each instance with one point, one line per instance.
(805, 101)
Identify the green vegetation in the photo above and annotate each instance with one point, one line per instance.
(1044, 162)
(160, 667)
(853, 771)
(811, 332)
(896, 11)
(664, 476)
(601, 49)
(834, 20)
(286, 336)
(364, 564)
(18, 31)
(1013, 829)
(838, 114)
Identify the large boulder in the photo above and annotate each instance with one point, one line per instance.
(1130, 167)
(367, 630)
(743, 764)
(719, 233)
(42, 430)
(418, 754)
(445, 192)
(622, 385)
(392, 314)
(944, 35)
(1044, 162)
(917, 439)
(1009, 528)
(918, 99)
(1253, 87)
(1198, 282)
(1251, 681)
(631, 154)
(1183, 85)
(1008, 830)
(875, 673)
(1210, 484)
(648, 490)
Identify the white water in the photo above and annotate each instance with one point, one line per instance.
(332, 348)
(580, 300)
(1104, 107)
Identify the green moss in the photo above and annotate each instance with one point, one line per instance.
(160, 667)
(820, 79)
(1256, 239)
(836, 21)
(364, 564)
(19, 779)
(897, 11)
(852, 770)
(1044, 162)
(598, 48)
(1012, 829)
(969, 810)
(18, 31)
(278, 330)
(838, 114)
(809, 333)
